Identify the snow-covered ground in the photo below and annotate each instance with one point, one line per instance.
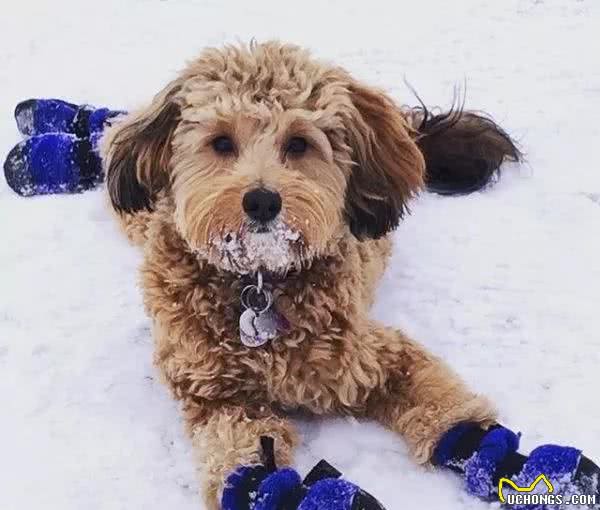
(504, 284)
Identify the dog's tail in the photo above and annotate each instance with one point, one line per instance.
(463, 150)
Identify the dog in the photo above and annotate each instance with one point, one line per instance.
(260, 162)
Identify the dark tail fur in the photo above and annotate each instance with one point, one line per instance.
(463, 150)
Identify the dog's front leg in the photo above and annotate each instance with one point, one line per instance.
(225, 436)
(422, 398)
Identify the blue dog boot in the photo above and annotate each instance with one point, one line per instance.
(265, 487)
(565, 468)
(281, 489)
(242, 484)
(325, 489)
(485, 457)
(53, 163)
(40, 116)
(333, 494)
(241, 487)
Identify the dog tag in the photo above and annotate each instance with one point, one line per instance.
(248, 332)
(267, 324)
(259, 322)
(247, 322)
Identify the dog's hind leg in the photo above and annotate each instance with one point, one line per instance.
(422, 398)
(227, 436)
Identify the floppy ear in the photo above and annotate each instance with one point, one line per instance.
(137, 150)
(388, 166)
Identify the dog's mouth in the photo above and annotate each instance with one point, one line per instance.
(274, 247)
(260, 228)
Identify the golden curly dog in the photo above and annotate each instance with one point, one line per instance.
(261, 158)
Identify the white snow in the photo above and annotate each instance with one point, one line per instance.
(503, 284)
(275, 250)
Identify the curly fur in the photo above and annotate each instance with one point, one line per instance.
(182, 201)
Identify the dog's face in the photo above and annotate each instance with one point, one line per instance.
(270, 157)
(255, 179)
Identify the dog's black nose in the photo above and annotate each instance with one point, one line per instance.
(262, 204)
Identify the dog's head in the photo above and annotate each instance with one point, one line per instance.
(269, 156)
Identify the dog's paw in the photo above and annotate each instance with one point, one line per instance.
(53, 163)
(488, 461)
(41, 116)
(265, 487)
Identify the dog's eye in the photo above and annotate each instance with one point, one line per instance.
(223, 145)
(296, 146)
